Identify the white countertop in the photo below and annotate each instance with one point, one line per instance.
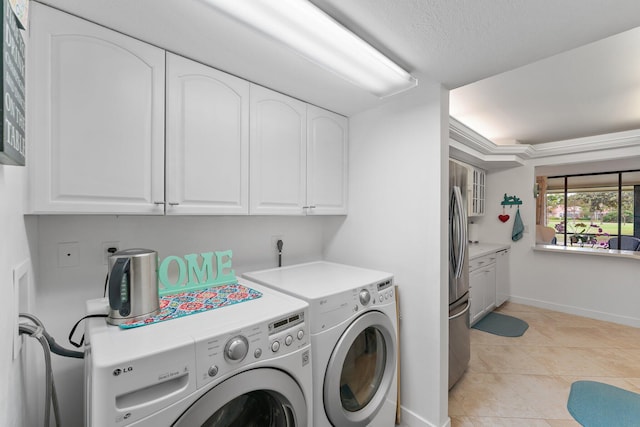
(587, 251)
(480, 249)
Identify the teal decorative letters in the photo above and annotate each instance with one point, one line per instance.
(196, 273)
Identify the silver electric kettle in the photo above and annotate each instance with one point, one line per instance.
(133, 285)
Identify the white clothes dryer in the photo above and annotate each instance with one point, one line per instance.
(353, 339)
(247, 364)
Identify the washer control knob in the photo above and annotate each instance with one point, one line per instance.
(300, 334)
(213, 371)
(275, 346)
(236, 348)
(288, 340)
(365, 297)
(257, 353)
(381, 298)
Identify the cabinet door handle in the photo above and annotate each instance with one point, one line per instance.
(173, 203)
(158, 203)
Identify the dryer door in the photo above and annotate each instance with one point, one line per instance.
(262, 397)
(360, 371)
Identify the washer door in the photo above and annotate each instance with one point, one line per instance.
(360, 371)
(263, 397)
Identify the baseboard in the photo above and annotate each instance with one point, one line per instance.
(593, 314)
(411, 419)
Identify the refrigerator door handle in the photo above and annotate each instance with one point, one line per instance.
(462, 312)
(454, 234)
(461, 237)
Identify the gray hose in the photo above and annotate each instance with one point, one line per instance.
(48, 344)
(53, 345)
(50, 392)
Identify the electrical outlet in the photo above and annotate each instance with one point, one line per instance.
(68, 254)
(108, 249)
(274, 241)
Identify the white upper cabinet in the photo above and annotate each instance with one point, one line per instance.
(327, 151)
(96, 133)
(207, 167)
(278, 153)
(298, 157)
(96, 102)
(476, 191)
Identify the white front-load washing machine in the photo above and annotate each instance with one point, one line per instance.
(247, 364)
(352, 316)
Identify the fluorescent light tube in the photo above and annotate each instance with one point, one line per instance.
(318, 37)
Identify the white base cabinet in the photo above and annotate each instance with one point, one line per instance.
(482, 286)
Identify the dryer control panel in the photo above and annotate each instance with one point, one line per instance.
(342, 307)
(223, 355)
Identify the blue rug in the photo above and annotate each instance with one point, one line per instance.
(501, 324)
(595, 404)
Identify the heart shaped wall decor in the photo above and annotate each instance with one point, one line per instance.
(503, 218)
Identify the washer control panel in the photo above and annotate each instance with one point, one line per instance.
(287, 333)
(223, 355)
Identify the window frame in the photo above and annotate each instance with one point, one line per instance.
(565, 193)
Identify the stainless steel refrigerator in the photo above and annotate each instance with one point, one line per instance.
(459, 345)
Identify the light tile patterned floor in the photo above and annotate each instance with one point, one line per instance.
(525, 381)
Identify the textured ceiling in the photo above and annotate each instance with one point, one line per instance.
(457, 42)
(454, 42)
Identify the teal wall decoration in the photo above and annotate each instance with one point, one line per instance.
(195, 271)
(510, 200)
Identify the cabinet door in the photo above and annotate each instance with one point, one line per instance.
(477, 293)
(502, 277)
(490, 290)
(476, 202)
(277, 153)
(327, 142)
(207, 167)
(96, 117)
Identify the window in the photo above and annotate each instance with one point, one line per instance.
(599, 210)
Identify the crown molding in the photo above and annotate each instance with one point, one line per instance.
(588, 144)
(485, 147)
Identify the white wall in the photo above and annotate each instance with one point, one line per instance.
(62, 291)
(396, 223)
(14, 251)
(599, 287)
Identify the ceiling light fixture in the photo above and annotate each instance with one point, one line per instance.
(315, 35)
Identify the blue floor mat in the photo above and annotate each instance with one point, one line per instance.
(595, 404)
(501, 324)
